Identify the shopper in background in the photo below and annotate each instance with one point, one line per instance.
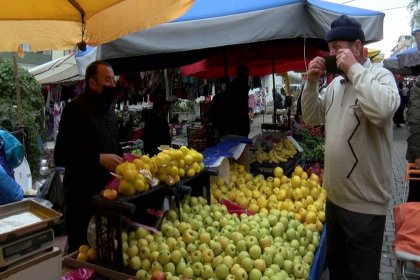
(357, 110)
(88, 148)
(238, 90)
(156, 127)
(413, 141)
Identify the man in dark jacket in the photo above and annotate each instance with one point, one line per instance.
(87, 147)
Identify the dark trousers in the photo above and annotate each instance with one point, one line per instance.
(78, 215)
(354, 243)
(414, 191)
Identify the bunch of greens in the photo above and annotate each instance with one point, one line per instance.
(313, 146)
(183, 105)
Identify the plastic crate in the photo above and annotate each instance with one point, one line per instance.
(267, 169)
(318, 265)
(111, 217)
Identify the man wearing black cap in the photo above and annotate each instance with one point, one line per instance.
(357, 109)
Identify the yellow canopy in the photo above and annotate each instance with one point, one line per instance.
(57, 24)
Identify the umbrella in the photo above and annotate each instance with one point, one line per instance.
(391, 63)
(60, 24)
(211, 25)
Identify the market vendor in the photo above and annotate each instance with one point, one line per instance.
(357, 109)
(88, 148)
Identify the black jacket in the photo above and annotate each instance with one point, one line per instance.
(87, 129)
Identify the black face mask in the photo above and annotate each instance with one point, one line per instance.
(108, 95)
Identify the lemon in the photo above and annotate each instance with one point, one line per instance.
(298, 171)
(138, 163)
(188, 159)
(191, 172)
(145, 158)
(130, 175)
(139, 185)
(84, 248)
(278, 172)
(82, 257)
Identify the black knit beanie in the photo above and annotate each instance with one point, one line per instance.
(345, 28)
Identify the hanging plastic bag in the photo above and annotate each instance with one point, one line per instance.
(10, 191)
(13, 149)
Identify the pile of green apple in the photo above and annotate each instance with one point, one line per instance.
(207, 242)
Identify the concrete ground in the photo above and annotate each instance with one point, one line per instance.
(388, 261)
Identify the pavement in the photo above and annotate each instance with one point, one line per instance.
(388, 261)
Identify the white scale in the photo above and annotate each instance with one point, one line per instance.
(24, 247)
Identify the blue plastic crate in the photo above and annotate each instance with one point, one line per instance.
(320, 256)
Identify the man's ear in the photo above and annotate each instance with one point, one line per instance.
(358, 48)
(92, 83)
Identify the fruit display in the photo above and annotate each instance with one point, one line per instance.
(299, 194)
(281, 151)
(86, 253)
(167, 167)
(206, 242)
(313, 145)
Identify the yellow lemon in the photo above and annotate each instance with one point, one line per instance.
(191, 172)
(130, 175)
(278, 172)
(188, 159)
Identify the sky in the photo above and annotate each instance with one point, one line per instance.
(396, 21)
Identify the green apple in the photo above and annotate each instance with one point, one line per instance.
(288, 266)
(278, 260)
(189, 236)
(255, 252)
(169, 267)
(141, 274)
(235, 236)
(298, 270)
(290, 254)
(264, 223)
(278, 230)
(275, 268)
(267, 257)
(217, 261)
(202, 247)
(193, 201)
(297, 259)
(172, 243)
(247, 264)
(217, 215)
(241, 246)
(221, 271)
(141, 242)
(260, 264)
(180, 267)
(132, 250)
(163, 247)
(186, 208)
(205, 237)
(264, 232)
(124, 246)
(197, 268)
(308, 258)
(156, 266)
(188, 273)
(265, 241)
(291, 234)
(208, 220)
(135, 263)
(234, 267)
(311, 248)
(196, 225)
(164, 257)
(241, 256)
(146, 264)
(144, 252)
(251, 241)
(154, 246)
(196, 256)
(230, 250)
(268, 272)
(216, 225)
(255, 274)
(302, 251)
(244, 229)
(216, 247)
(284, 221)
(207, 271)
(255, 232)
(228, 261)
(132, 242)
(224, 241)
(292, 223)
(176, 256)
(273, 220)
(183, 226)
(208, 255)
(154, 256)
(294, 244)
(241, 274)
(149, 238)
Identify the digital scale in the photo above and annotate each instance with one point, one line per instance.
(26, 246)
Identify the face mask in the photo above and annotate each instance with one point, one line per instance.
(108, 95)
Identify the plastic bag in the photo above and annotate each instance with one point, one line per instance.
(52, 190)
(10, 191)
(80, 274)
(13, 149)
(407, 231)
